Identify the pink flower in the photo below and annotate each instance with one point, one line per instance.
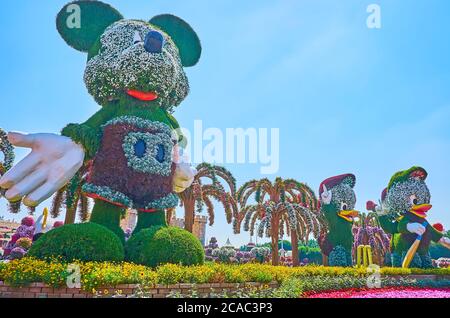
(28, 221)
(14, 238)
(58, 224)
(387, 292)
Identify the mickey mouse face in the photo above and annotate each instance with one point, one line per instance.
(134, 56)
(135, 62)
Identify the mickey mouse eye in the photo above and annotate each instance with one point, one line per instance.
(137, 38)
(154, 42)
(413, 199)
(344, 206)
(160, 153)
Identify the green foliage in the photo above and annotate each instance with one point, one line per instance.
(160, 245)
(405, 175)
(182, 35)
(83, 242)
(438, 251)
(339, 257)
(84, 135)
(95, 17)
(109, 216)
(313, 254)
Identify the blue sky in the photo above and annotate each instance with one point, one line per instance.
(346, 98)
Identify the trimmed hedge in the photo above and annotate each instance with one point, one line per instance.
(161, 245)
(81, 242)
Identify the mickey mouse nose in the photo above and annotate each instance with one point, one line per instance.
(153, 42)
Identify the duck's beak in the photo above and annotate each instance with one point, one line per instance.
(348, 215)
(421, 209)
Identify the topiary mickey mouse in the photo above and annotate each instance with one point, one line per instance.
(135, 72)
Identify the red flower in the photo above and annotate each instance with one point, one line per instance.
(14, 238)
(58, 224)
(28, 221)
(370, 206)
(439, 227)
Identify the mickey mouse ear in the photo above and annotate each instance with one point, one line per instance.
(81, 23)
(183, 35)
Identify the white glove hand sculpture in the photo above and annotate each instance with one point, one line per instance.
(184, 173)
(53, 161)
(417, 228)
(183, 178)
(445, 241)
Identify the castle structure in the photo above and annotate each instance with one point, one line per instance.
(199, 228)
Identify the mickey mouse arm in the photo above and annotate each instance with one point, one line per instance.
(88, 134)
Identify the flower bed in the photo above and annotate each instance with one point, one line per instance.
(389, 292)
(294, 281)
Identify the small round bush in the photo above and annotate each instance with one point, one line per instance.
(339, 257)
(161, 245)
(83, 242)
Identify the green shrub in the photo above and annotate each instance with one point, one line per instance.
(339, 257)
(161, 245)
(313, 254)
(438, 251)
(83, 242)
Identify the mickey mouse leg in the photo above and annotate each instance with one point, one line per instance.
(109, 216)
(149, 219)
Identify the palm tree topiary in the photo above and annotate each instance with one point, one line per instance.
(201, 194)
(6, 162)
(72, 199)
(367, 231)
(285, 206)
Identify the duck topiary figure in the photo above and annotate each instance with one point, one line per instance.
(337, 205)
(404, 207)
